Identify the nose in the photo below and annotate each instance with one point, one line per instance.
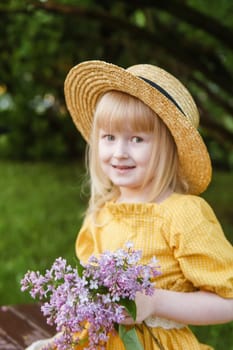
(121, 150)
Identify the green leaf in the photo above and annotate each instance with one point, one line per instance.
(130, 307)
(129, 338)
(80, 268)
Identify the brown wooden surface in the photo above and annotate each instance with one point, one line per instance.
(21, 325)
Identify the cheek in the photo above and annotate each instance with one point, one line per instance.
(143, 155)
(103, 153)
(147, 156)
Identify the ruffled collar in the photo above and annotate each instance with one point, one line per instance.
(139, 207)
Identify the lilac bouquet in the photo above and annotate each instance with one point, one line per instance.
(88, 302)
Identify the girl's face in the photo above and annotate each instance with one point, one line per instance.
(124, 157)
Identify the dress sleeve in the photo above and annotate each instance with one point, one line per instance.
(204, 254)
(84, 245)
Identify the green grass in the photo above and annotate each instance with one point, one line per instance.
(41, 213)
(220, 196)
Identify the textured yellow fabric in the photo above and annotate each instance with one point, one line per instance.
(184, 235)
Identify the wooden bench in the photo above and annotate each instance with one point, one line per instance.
(20, 325)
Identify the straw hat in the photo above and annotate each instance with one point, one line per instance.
(162, 92)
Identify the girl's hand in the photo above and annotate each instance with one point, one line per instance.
(43, 343)
(144, 309)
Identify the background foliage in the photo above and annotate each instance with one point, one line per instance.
(41, 40)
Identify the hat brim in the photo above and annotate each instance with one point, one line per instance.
(88, 81)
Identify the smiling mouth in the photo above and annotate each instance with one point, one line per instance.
(123, 167)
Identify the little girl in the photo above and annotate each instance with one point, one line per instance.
(147, 164)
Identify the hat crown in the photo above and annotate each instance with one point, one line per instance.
(172, 86)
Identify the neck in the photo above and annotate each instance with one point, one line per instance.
(130, 196)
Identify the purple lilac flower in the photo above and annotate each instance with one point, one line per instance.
(72, 301)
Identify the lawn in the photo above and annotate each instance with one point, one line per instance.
(41, 212)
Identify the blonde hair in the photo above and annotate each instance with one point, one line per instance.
(116, 111)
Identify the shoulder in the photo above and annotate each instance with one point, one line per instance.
(186, 205)
(187, 214)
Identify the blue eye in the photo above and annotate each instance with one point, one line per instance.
(109, 137)
(137, 139)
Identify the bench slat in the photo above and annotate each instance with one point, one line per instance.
(21, 325)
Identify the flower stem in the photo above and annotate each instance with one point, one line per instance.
(160, 346)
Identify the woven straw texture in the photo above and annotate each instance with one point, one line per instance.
(88, 81)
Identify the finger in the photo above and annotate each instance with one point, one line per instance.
(127, 321)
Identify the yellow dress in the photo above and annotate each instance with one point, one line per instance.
(184, 235)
